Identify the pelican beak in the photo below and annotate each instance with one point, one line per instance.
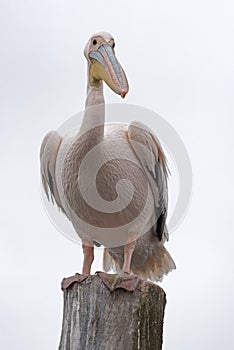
(105, 66)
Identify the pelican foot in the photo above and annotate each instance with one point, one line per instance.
(77, 278)
(125, 281)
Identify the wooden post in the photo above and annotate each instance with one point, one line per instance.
(95, 318)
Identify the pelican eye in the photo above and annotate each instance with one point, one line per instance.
(94, 42)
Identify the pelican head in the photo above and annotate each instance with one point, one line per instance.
(103, 65)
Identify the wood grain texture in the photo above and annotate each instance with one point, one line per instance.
(94, 318)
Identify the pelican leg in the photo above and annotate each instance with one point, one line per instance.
(126, 277)
(88, 252)
(128, 251)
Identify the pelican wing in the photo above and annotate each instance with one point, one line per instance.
(48, 155)
(152, 158)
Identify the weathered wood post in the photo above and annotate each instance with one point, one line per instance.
(95, 318)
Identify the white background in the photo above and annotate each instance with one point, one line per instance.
(178, 56)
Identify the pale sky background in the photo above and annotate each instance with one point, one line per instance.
(178, 56)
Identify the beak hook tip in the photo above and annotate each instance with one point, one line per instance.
(123, 93)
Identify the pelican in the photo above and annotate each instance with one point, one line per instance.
(129, 152)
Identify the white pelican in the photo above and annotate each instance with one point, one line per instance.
(145, 167)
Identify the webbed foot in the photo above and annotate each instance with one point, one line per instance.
(77, 278)
(122, 280)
